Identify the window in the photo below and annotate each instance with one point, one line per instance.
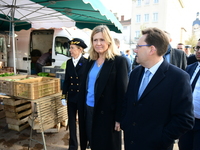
(155, 17)
(2, 45)
(62, 46)
(137, 34)
(146, 17)
(138, 3)
(138, 18)
(147, 2)
(125, 27)
(156, 1)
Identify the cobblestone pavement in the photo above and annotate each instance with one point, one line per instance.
(14, 140)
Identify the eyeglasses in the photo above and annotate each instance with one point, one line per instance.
(138, 46)
(197, 48)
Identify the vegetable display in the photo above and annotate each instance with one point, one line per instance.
(43, 74)
(7, 74)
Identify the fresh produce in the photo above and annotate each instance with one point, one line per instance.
(6, 74)
(43, 74)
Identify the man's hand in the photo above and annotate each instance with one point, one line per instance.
(63, 101)
(117, 126)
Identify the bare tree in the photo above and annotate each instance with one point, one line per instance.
(192, 40)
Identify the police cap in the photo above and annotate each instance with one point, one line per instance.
(79, 42)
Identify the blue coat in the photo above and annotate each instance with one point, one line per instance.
(163, 113)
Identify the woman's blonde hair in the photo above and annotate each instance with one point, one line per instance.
(81, 48)
(112, 48)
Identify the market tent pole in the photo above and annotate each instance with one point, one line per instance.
(13, 43)
(13, 36)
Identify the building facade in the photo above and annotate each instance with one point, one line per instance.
(196, 27)
(167, 15)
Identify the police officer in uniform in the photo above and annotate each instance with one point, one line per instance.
(74, 70)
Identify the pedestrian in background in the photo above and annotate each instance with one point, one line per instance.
(188, 50)
(191, 139)
(106, 79)
(158, 105)
(192, 58)
(129, 55)
(44, 60)
(175, 56)
(129, 67)
(71, 88)
(135, 63)
(181, 46)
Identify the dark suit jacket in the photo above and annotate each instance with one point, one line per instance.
(110, 88)
(191, 59)
(178, 58)
(164, 111)
(191, 68)
(73, 78)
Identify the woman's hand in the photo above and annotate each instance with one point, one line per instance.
(117, 126)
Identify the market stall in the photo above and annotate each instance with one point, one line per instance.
(32, 101)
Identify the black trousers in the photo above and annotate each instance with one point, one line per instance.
(89, 116)
(72, 112)
(38, 68)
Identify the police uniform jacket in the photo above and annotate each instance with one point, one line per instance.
(73, 75)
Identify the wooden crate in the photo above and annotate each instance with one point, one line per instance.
(18, 115)
(2, 114)
(55, 129)
(50, 112)
(18, 108)
(1, 105)
(18, 127)
(17, 112)
(7, 86)
(15, 121)
(36, 88)
(14, 101)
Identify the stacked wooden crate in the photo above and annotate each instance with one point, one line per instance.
(50, 113)
(2, 112)
(17, 112)
(42, 91)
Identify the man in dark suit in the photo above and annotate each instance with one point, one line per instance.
(129, 67)
(155, 116)
(190, 140)
(192, 58)
(71, 88)
(175, 56)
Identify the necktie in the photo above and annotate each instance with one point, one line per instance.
(144, 83)
(195, 80)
